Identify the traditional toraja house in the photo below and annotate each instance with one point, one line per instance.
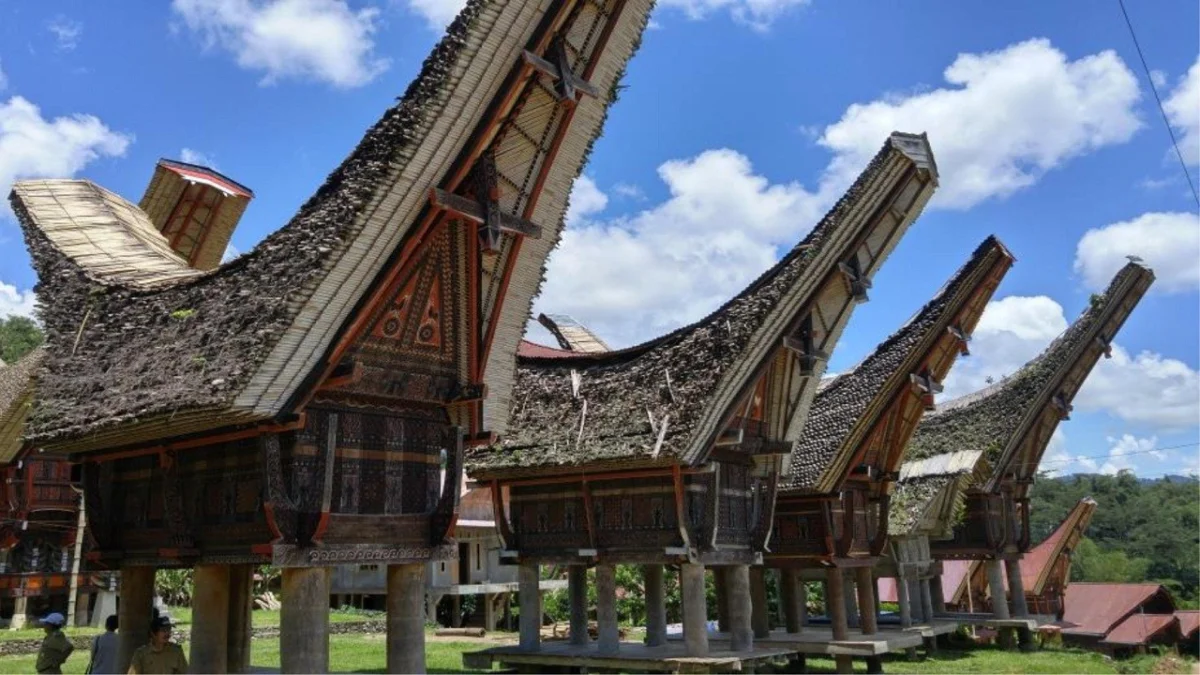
(669, 452)
(832, 509)
(295, 405)
(39, 521)
(1010, 423)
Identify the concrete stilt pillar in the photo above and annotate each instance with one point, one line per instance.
(996, 585)
(241, 599)
(577, 596)
(939, 598)
(134, 612)
(304, 620)
(695, 609)
(760, 618)
(530, 597)
(737, 588)
(431, 607)
(82, 603)
(609, 638)
(719, 584)
(1016, 589)
(850, 596)
(210, 619)
(405, 618)
(19, 617)
(914, 596)
(456, 611)
(866, 600)
(795, 600)
(835, 606)
(926, 601)
(656, 606)
(905, 602)
(489, 612)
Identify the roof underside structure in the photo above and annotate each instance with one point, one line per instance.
(165, 351)
(1011, 422)
(666, 400)
(1038, 564)
(847, 413)
(929, 496)
(16, 396)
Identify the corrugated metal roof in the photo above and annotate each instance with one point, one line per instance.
(953, 573)
(527, 349)
(1036, 564)
(1139, 628)
(1096, 608)
(1189, 621)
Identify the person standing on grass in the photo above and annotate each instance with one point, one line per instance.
(104, 649)
(55, 647)
(161, 656)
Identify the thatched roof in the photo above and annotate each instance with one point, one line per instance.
(998, 421)
(214, 205)
(931, 492)
(610, 407)
(241, 343)
(846, 409)
(16, 394)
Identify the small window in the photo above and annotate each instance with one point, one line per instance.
(478, 557)
(441, 567)
(367, 568)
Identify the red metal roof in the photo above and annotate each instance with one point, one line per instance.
(953, 572)
(1139, 628)
(1189, 621)
(534, 350)
(1097, 607)
(195, 172)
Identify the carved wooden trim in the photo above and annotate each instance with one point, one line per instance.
(445, 513)
(502, 525)
(174, 514)
(278, 505)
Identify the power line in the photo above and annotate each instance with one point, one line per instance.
(1161, 109)
(1123, 454)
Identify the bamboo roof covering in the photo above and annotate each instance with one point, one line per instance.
(16, 395)
(196, 207)
(111, 240)
(571, 334)
(240, 343)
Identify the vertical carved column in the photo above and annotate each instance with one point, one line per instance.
(695, 610)
(606, 609)
(737, 589)
(530, 597)
(656, 606)
(406, 618)
(760, 620)
(210, 619)
(304, 620)
(577, 594)
(133, 614)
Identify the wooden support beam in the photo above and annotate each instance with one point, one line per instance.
(859, 283)
(475, 212)
(567, 85)
(962, 337)
(1062, 406)
(801, 343)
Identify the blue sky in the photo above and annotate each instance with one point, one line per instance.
(742, 121)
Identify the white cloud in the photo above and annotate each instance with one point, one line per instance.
(15, 302)
(758, 14)
(1011, 331)
(1123, 447)
(1168, 242)
(1148, 389)
(1056, 461)
(1183, 110)
(1159, 78)
(196, 157)
(302, 39)
(66, 32)
(438, 13)
(629, 191)
(32, 146)
(1009, 117)
(586, 200)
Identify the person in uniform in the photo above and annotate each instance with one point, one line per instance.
(55, 647)
(161, 656)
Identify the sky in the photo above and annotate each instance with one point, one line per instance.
(741, 123)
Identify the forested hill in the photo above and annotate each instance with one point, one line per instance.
(1142, 530)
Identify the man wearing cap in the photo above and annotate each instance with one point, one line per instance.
(161, 655)
(55, 647)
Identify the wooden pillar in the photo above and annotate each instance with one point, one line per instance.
(795, 600)
(996, 585)
(835, 604)
(210, 619)
(1016, 589)
(656, 606)
(737, 588)
(82, 603)
(905, 602)
(577, 596)
(304, 620)
(530, 596)
(134, 612)
(456, 611)
(489, 612)
(760, 618)
(866, 600)
(926, 601)
(719, 584)
(695, 609)
(406, 618)
(914, 596)
(939, 598)
(609, 641)
(850, 599)
(241, 604)
(19, 617)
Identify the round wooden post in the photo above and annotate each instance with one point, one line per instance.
(791, 590)
(304, 620)
(241, 592)
(577, 595)
(210, 619)
(914, 597)
(1016, 588)
(851, 599)
(737, 587)
(996, 585)
(406, 618)
(695, 610)
(760, 619)
(866, 600)
(656, 606)
(926, 601)
(939, 597)
(835, 607)
(609, 641)
(134, 612)
(529, 594)
(905, 602)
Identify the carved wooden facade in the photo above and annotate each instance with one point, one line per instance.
(38, 535)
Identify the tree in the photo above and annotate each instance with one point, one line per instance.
(18, 336)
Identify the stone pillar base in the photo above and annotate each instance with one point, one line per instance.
(304, 620)
(405, 618)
